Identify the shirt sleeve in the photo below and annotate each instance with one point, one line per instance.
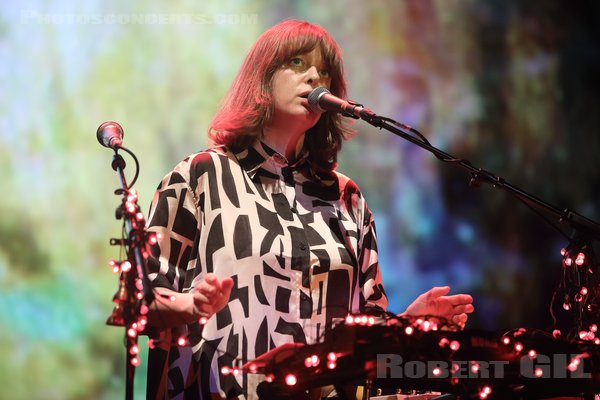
(174, 218)
(370, 274)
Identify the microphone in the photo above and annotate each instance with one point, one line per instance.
(321, 100)
(110, 134)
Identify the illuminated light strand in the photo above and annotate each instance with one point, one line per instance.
(312, 361)
(485, 392)
(141, 324)
(578, 299)
(426, 325)
(114, 266)
(556, 333)
(587, 335)
(291, 380)
(130, 208)
(518, 347)
(576, 361)
(125, 266)
(132, 196)
(332, 360)
(573, 366)
(227, 370)
(568, 261)
(364, 320)
(130, 295)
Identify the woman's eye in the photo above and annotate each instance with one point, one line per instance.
(296, 62)
(324, 73)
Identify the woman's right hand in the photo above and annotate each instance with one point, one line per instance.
(211, 295)
(170, 309)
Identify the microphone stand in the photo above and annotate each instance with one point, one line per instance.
(135, 292)
(580, 267)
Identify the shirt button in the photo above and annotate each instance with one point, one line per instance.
(302, 246)
(294, 210)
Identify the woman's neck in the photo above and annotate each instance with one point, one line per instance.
(287, 141)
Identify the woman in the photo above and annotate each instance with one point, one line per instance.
(260, 235)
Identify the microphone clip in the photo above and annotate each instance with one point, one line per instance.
(354, 105)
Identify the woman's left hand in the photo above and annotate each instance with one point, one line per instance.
(454, 308)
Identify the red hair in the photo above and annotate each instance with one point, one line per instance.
(248, 104)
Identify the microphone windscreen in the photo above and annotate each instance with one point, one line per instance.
(110, 134)
(313, 98)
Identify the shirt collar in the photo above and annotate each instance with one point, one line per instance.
(254, 157)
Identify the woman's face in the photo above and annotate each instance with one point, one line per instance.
(292, 83)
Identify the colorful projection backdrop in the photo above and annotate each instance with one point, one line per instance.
(509, 85)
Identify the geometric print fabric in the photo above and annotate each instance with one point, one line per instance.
(299, 244)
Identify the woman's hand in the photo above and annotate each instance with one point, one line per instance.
(171, 309)
(453, 308)
(211, 295)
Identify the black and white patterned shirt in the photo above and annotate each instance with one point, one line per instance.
(300, 246)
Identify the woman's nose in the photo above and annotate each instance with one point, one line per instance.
(313, 76)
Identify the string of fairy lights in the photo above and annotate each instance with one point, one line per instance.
(131, 311)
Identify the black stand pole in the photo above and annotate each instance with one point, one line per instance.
(118, 165)
(127, 312)
(581, 270)
(578, 222)
(135, 291)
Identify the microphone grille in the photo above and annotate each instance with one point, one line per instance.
(110, 133)
(314, 96)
